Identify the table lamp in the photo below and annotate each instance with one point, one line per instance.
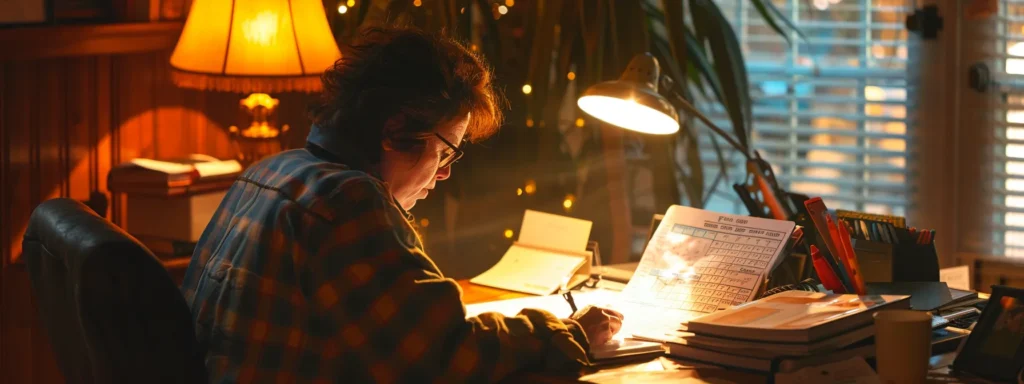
(633, 102)
(255, 47)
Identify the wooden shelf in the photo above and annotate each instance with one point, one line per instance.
(31, 43)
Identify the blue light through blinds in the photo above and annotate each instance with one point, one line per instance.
(830, 112)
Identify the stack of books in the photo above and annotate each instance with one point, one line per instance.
(787, 331)
(170, 202)
(191, 175)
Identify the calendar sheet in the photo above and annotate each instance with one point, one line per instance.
(696, 262)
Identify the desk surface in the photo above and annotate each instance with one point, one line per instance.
(663, 368)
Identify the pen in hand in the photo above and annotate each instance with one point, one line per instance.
(567, 295)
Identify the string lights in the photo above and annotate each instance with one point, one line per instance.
(531, 187)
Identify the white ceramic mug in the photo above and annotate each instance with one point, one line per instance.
(903, 345)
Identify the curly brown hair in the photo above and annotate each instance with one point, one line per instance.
(424, 79)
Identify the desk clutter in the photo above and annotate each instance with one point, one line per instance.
(700, 290)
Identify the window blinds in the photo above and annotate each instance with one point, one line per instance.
(829, 112)
(1007, 152)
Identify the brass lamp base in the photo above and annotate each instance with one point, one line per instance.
(262, 137)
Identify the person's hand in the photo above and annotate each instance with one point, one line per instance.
(599, 324)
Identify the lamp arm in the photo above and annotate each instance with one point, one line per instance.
(690, 109)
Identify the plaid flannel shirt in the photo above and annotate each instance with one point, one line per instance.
(310, 271)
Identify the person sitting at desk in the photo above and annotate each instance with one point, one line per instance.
(310, 269)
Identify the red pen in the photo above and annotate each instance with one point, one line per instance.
(850, 261)
(825, 273)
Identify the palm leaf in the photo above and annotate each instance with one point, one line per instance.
(712, 26)
(769, 18)
(676, 29)
(723, 169)
(695, 188)
(694, 76)
(700, 62)
(778, 15)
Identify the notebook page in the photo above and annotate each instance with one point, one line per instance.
(530, 270)
(556, 232)
(696, 261)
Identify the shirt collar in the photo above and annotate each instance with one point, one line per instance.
(330, 147)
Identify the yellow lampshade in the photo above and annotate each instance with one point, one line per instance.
(633, 102)
(254, 46)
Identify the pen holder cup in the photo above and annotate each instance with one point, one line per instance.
(906, 261)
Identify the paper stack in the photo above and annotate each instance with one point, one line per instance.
(786, 331)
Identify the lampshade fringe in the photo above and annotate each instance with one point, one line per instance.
(242, 84)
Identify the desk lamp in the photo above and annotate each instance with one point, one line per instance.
(633, 102)
(255, 47)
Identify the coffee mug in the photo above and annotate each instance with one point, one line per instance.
(903, 345)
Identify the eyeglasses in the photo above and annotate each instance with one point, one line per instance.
(450, 155)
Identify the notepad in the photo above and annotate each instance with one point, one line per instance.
(531, 270)
(551, 253)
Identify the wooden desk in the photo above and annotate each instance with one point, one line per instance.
(647, 370)
(663, 368)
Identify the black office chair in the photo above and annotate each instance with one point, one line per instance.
(111, 310)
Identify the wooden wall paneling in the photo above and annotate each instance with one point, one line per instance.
(25, 354)
(135, 119)
(50, 131)
(223, 110)
(220, 111)
(101, 130)
(80, 116)
(4, 223)
(196, 122)
(174, 137)
(114, 75)
(20, 84)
